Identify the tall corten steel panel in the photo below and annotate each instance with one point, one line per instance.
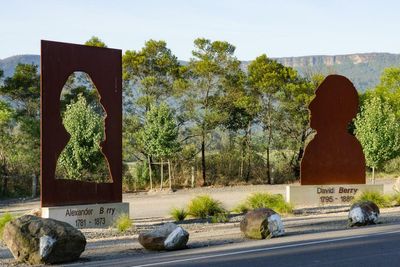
(104, 66)
(334, 156)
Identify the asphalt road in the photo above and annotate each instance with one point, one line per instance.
(369, 246)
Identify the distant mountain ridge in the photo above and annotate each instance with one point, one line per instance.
(8, 64)
(363, 69)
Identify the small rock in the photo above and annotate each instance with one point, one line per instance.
(168, 236)
(262, 223)
(35, 212)
(36, 240)
(363, 213)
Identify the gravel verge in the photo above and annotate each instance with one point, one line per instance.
(109, 243)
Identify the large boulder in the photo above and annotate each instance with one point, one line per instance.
(363, 213)
(36, 240)
(168, 236)
(262, 223)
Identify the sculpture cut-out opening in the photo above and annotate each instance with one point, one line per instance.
(83, 118)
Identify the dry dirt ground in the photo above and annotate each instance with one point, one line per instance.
(150, 210)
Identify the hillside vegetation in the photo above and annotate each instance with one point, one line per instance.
(211, 121)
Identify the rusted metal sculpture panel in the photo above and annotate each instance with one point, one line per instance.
(334, 156)
(58, 62)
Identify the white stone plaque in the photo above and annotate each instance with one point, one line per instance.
(322, 195)
(87, 216)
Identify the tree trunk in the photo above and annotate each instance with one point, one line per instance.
(150, 174)
(3, 172)
(241, 167)
(242, 157)
(248, 154)
(169, 174)
(268, 167)
(269, 140)
(192, 176)
(203, 158)
(162, 173)
(296, 167)
(34, 185)
(373, 175)
(5, 185)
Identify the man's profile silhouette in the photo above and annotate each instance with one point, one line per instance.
(82, 158)
(334, 156)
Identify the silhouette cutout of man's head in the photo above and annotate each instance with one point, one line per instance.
(80, 103)
(333, 156)
(335, 104)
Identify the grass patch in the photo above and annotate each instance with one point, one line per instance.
(204, 206)
(220, 218)
(395, 199)
(241, 208)
(381, 200)
(3, 220)
(178, 214)
(123, 223)
(265, 200)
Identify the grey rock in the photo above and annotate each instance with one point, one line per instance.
(262, 223)
(168, 236)
(46, 244)
(36, 240)
(363, 213)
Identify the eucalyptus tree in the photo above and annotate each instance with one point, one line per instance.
(267, 79)
(240, 108)
(293, 116)
(212, 65)
(96, 42)
(149, 75)
(20, 95)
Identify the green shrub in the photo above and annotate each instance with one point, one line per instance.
(3, 220)
(241, 208)
(378, 198)
(266, 200)
(220, 218)
(392, 166)
(204, 206)
(123, 223)
(178, 214)
(395, 199)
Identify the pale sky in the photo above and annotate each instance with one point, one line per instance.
(277, 28)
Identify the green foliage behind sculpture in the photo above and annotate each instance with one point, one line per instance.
(82, 158)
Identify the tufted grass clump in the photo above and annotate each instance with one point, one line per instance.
(381, 200)
(265, 200)
(3, 220)
(395, 198)
(222, 217)
(204, 206)
(123, 223)
(178, 214)
(241, 208)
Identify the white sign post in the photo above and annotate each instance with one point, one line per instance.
(322, 195)
(87, 216)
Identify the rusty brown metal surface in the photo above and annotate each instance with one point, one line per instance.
(104, 66)
(334, 156)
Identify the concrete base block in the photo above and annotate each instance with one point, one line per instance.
(87, 216)
(322, 195)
